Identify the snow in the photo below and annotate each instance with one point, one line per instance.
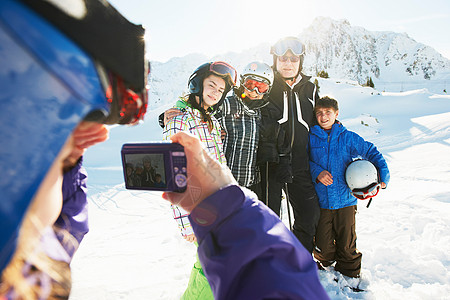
(134, 249)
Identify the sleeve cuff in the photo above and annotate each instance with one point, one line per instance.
(212, 211)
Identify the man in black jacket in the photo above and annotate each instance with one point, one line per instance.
(283, 152)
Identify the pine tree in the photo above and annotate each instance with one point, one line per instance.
(369, 82)
(323, 74)
(316, 82)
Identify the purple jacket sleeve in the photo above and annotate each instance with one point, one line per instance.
(74, 213)
(248, 253)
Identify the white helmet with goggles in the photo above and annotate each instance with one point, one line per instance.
(256, 77)
(257, 72)
(362, 179)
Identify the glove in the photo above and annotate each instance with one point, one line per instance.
(284, 169)
(161, 120)
(283, 142)
(267, 148)
(267, 152)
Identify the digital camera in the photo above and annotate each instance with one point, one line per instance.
(159, 166)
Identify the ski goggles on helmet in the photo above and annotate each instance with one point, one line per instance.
(223, 69)
(129, 107)
(368, 192)
(126, 105)
(282, 46)
(252, 83)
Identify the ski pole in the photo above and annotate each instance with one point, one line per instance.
(287, 205)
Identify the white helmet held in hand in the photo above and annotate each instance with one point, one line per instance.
(362, 178)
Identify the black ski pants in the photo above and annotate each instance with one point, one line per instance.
(336, 240)
(302, 197)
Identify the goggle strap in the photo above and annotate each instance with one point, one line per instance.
(255, 78)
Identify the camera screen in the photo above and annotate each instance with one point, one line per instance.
(145, 170)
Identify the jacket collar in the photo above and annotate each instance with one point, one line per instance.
(300, 80)
(336, 129)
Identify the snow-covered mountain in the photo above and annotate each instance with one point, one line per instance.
(351, 52)
(394, 61)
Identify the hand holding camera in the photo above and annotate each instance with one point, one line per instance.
(188, 173)
(205, 175)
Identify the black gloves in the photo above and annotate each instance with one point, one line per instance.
(268, 134)
(284, 169)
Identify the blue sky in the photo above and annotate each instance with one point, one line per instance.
(179, 27)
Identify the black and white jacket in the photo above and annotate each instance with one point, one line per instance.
(290, 108)
(241, 126)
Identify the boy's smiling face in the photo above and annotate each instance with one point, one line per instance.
(326, 116)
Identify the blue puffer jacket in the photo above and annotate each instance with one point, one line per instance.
(334, 153)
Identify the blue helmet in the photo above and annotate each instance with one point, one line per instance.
(48, 84)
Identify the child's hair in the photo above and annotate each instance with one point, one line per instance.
(205, 114)
(326, 102)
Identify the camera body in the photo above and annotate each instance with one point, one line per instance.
(159, 166)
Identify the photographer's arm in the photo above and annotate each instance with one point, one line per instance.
(74, 214)
(241, 242)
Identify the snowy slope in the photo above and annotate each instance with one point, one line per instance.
(134, 249)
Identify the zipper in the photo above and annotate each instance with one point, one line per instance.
(292, 116)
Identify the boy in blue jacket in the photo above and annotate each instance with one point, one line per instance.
(332, 148)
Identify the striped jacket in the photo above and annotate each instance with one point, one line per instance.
(191, 121)
(241, 126)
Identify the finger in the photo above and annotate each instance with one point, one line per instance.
(86, 128)
(192, 148)
(189, 141)
(91, 139)
(90, 131)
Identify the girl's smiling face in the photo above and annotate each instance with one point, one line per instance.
(213, 89)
